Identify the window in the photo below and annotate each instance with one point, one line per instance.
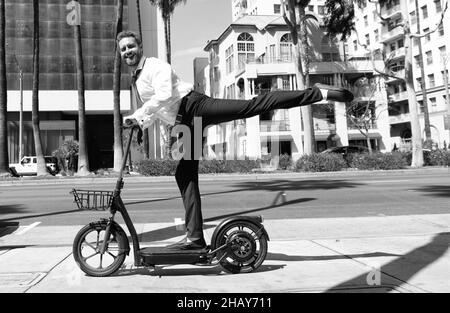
(216, 73)
(441, 30)
(444, 75)
(418, 61)
(427, 37)
(276, 9)
(321, 9)
(377, 36)
(413, 18)
(246, 49)
(286, 82)
(368, 40)
(429, 57)
(419, 83)
(421, 107)
(424, 11)
(286, 48)
(310, 8)
(400, 43)
(229, 59)
(433, 102)
(443, 53)
(431, 83)
(355, 45)
(393, 47)
(438, 6)
(366, 22)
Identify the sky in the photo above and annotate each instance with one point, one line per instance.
(192, 25)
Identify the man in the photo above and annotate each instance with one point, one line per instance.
(162, 95)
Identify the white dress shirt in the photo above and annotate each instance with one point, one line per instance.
(160, 90)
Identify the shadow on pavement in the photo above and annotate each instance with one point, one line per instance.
(12, 208)
(403, 268)
(38, 215)
(200, 270)
(435, 191)
(170, 232)
(7, 228)
(284, 257)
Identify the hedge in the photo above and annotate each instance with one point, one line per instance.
(321, 162)
(377, 161)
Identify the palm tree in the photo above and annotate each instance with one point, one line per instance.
(118, 145)
(145, 133)
(41, 168)
(4, 161)
(299, 34)
(167, 7)
(341, 21)
(83, 161)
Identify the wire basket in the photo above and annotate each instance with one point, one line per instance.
(92, 199)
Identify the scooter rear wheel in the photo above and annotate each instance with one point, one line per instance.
(87, 254)
(247, 248)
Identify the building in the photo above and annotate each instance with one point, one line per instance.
(254, 55)
(58, 99)
(199, 74)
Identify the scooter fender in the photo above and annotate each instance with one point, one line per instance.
(101, 225)
(256, 220)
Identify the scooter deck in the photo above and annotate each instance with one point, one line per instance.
(163, 255)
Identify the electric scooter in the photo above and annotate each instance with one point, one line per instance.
(238, 244)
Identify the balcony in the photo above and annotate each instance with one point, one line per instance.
(274, 126)
(391, 12)
(396, 54)
(390, 35)
(370, 125)
(400, 118)
(400, 96)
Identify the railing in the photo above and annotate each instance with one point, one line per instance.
(391, 11)
(370, 125)
(274, 126)
(400, 96)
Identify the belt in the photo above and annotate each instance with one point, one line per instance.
(182, 109)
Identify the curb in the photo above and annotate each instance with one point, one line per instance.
(67, 180)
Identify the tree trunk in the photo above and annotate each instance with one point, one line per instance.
(145, 136)
(83, 161)
(41, 167)
(118, 144)
(4, 160)
(416, 140)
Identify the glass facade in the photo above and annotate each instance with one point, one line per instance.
(57, 45)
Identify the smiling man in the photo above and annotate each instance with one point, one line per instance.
(162, 95)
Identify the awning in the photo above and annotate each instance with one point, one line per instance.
(325, 137)
(358, 135)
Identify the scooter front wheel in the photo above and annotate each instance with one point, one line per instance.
(246, 247)
(87, 249)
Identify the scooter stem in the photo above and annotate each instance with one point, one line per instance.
(119, 184)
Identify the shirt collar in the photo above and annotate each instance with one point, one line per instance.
(139, 67)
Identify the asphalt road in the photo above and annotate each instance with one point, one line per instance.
(277, 198)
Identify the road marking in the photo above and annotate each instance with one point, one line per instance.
(383, 181)
(26, 228)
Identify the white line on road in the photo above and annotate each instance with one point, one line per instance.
(383, 181)
(26, 228)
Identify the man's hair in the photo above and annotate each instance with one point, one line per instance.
(129, 33)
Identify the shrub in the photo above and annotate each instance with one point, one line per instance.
(438, 158)
(378, 161)
(156, 167)
(321, 162)
(285, 162)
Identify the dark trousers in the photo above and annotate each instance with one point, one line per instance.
(215, 111)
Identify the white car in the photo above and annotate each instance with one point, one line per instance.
(28, 166)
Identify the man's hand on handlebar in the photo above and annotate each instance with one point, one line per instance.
(130, 123)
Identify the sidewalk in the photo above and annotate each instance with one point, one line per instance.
(363, 254)
(70, 180)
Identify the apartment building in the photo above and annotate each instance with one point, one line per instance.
(254, 55)
(58, 99)
(435, 58)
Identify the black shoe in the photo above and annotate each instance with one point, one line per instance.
(188, 245)
(336, 93)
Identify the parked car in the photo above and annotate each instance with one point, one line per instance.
(28, 166)
(347, 150)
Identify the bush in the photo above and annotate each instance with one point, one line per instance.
(285, 162)
(156, 167)
(321, 162)
(168, 167)
(378, 161)
(438, 158)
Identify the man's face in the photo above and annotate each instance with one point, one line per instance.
(130, 51)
